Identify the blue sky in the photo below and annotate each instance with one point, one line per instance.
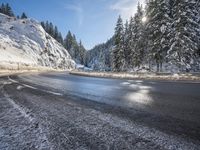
(92, 21)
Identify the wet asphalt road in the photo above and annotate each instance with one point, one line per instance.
(62, 111)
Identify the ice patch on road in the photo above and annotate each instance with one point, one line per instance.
(125, 83)
(31, 87)
(20, 87)
(139, 81)
(54, 93)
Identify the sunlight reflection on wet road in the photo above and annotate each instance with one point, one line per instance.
(171, 98)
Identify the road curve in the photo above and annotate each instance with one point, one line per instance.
(62, 111)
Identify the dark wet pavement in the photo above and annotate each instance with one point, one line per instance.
(62, 111)
(177, 99)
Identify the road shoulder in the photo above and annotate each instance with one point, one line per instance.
(188, 78)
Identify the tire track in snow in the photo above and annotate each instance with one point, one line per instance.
(42, 138)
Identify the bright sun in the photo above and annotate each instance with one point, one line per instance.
(144, 19)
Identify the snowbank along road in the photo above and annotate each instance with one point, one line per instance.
(62, 111)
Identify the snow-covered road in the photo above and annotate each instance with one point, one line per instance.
(61, 111)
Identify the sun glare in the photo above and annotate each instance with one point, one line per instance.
(144, 19)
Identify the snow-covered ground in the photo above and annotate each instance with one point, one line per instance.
(24, 43)
(82, 68)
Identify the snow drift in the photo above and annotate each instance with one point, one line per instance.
(24, 41)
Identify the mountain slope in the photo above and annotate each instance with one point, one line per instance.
(99, 58)
(24, 41)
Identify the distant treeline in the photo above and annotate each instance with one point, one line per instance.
(7, 10)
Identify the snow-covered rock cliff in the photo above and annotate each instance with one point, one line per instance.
(24, 41)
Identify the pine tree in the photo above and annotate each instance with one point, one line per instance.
(56, 33)
(184, 44)
(47, 26)
(69, 44)
(101, 58)
(126, 44)
(60, 38)
(75, 48)
(118, 51)
(137, 37)
(68, 41)
(158, 27)
(131, 42)
(3, 9)
(81, 53)
(23, 16)
(8, 10)
(51, 29)
(43, 25)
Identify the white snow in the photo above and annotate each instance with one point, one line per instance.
(82, 67)
(23, 111)
(24, 41)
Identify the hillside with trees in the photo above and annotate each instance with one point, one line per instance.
(99, 58)
(75, 48)
(163, 36)
(53, 31)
